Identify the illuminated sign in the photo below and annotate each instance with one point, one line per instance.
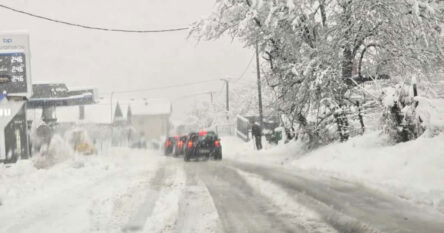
(14, 64)
(13, 72)
(5, 79)
(5, 112)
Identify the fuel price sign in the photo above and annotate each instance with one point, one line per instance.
(13, 72)
(14, 64)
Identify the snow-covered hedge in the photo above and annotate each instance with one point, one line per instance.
(431, 112)
(407, 117)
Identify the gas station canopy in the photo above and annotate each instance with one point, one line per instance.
(57, 94)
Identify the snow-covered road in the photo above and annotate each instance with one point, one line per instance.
(143, 191)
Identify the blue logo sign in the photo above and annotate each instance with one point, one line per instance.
(7, 40)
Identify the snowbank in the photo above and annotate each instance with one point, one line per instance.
(413, 170)
(431, 112)
(58, 151)
(24, 181)
(95, 193)
(234, 148)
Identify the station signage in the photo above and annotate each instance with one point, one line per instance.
(5, 112)
(14, 142)
(15, 75)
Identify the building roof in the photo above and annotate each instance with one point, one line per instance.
(150, 107)
(118, 115)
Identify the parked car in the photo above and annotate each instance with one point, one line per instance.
(205, 144)
(81, 142)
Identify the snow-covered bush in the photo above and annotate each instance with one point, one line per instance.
(431, 112)
(407, 117)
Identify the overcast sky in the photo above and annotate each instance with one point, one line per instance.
(118, 61)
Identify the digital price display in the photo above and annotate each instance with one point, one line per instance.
(13, 72)
(15, 64)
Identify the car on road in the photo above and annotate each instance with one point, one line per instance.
(205, 144)
(179, 145)
(168, 146)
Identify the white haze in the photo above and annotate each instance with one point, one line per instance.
(117, 61)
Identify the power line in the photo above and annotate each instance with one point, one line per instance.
(192, 95)
(162, 87)
(91, 27)
(245, 70)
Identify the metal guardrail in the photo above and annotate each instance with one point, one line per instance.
(227, 129)
(242, 128)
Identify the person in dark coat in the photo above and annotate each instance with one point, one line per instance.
(256, 131)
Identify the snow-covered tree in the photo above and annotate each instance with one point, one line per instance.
(314, 50)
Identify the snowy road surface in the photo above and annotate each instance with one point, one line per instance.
(142, 191)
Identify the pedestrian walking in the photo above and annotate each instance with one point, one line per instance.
(256, 131)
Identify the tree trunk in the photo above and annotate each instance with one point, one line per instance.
(347, 63)
(347, 72)
(323, 14)
(361, 119)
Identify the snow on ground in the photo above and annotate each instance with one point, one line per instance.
(81, 194)
(124, 190)
(144, 191)
(164, 215)
(309, 220)
(235, 148)
(413, 170)
(197, 203)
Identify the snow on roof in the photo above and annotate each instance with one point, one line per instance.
(149, 107)
(71, 97)
(96, 113)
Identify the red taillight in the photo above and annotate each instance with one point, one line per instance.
(203, 133)
(190, 144)
(179, 143)
(168, 143)
(217, 143)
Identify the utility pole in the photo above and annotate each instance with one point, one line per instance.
(259, 87)
(211, 97)
(111, 100)
(111, 122)
(227, 95)
(81, 112)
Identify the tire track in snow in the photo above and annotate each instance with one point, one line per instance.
(111, 211)
(137, 221)
(299, 214)
(340, 221)
(197, 213)
(165, 214)
(349, 207)
(240, 208)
